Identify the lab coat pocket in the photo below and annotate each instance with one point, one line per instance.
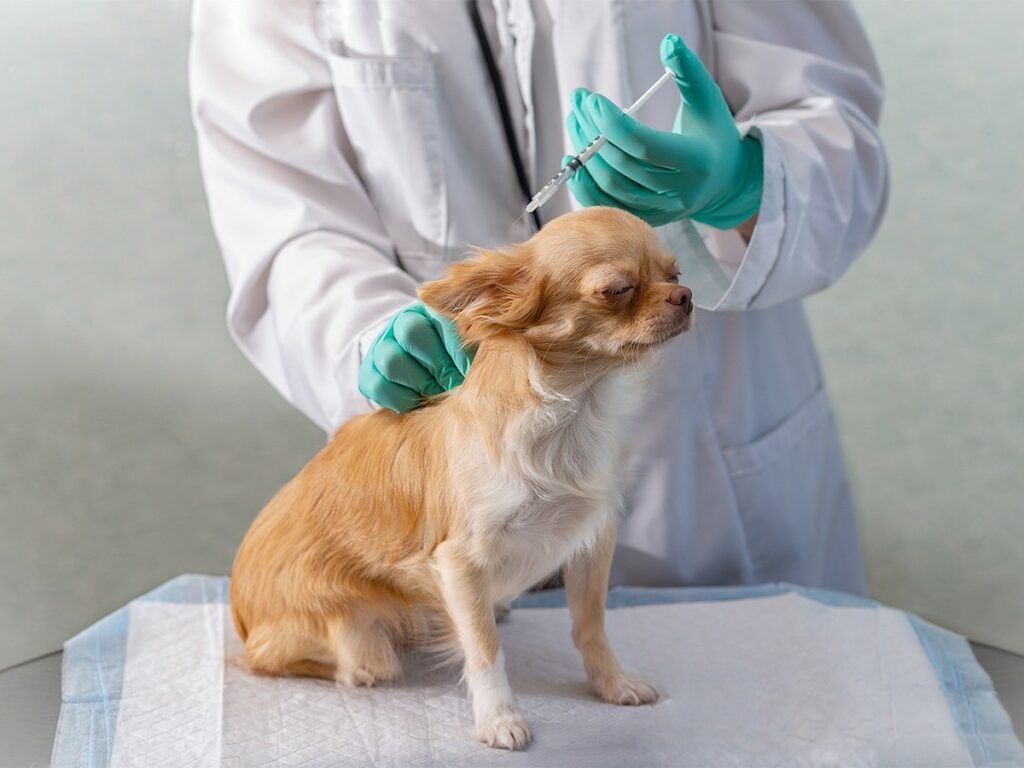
(389, 110)
(793, 499)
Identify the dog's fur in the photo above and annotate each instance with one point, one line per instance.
(409, 528)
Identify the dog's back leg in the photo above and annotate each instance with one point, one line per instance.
(283, 648)
(364, 651)
(311, 668)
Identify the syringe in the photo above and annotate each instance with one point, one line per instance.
(569, 170)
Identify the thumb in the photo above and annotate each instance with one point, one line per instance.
(695, 83)
(460, 356)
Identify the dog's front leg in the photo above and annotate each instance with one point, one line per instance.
(586, 586)
(466, 589)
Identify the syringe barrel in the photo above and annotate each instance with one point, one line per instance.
(577, 162)
(591, 149)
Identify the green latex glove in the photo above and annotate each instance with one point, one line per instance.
(701, 169)
(418, 354)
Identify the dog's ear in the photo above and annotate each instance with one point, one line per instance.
(479, 280)
(491, 291)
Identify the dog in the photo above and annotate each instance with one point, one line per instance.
(416, 527)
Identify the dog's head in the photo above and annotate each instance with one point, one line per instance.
(596, 282)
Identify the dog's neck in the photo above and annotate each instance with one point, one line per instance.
(558, 425)
(509, 379)
(507, 370)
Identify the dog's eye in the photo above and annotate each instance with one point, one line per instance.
(674, 278)
(619, 291)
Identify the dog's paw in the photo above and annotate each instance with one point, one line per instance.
(505, 729)
(627, 690)
(362, 677)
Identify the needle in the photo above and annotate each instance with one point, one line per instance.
(569, 169)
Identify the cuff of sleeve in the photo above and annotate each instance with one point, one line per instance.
(346, 370)
(762, 252)
(367, 337)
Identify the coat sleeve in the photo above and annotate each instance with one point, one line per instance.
(312, 272)
(801, 75)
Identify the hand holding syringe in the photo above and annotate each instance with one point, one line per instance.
(703, 169)
(569, 170)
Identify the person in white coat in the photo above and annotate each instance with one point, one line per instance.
(354, 148)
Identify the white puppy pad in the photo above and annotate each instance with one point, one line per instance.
(770, 681)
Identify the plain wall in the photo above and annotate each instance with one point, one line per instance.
(137, 443)
(923, 339)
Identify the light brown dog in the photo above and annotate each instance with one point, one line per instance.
(410, 528)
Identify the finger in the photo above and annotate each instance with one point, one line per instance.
(586, 192)
(614, 182)
(582, 131)
(582, 123)
(661, 148)
(383, 392)
(651, 177)
(579, 124)
(399, 367)
(417, 335)
(463, 357)
(698, 89)
(458, 352)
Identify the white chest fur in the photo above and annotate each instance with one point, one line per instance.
(558, 482)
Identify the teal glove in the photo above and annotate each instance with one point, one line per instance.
(419, 354)
(700, 170)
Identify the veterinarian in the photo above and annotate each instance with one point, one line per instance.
(351, 150)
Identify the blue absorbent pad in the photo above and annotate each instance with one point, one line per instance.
(749, 676)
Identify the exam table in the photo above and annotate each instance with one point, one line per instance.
(30, 699)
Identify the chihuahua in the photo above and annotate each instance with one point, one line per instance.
(414, 528)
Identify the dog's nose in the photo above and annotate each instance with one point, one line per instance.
(682, 297)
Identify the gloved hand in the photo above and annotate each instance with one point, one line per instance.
(700, 170)
(418, 354)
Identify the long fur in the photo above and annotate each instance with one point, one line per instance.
(407, 528)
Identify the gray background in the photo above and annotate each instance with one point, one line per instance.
(137, 443)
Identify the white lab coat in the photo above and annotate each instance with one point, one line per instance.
(348, 160)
